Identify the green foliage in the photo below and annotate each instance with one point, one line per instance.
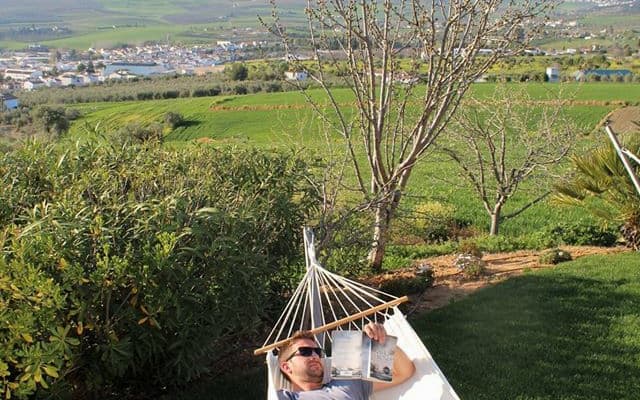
(584, 234)
(470, 247)
(409, 284)
(53, 119)
(471, 266)
(502, 243)
(601, 185)
(135, 266)
(236, 72)
(173, 119)
(436, 221)
(554, 256)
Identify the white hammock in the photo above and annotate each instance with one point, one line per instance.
(324, 301)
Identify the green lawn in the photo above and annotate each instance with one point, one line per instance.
(571, 332)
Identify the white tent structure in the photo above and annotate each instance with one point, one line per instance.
(324, 301)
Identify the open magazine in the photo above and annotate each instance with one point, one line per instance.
(355, 356)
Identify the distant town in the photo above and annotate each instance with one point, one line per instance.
(38, 67)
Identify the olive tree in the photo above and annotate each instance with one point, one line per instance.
(408, 64)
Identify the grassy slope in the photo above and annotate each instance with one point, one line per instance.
(567, 333)
(572, 332)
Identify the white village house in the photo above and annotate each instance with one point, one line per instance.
(22, 74)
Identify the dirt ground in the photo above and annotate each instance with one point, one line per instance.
(451, 285)
(624, 119)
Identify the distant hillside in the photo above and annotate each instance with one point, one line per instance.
(83, 12)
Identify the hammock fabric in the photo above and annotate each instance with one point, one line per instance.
(324, 301)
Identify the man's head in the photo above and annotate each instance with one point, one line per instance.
(300, 360)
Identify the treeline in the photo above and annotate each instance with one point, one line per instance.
(128, 269)
(237, 78)
(149, 89)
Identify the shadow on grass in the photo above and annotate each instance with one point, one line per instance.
(568, 333)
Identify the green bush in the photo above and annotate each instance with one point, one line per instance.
(131, 268)
(582, 234)
(436, 221)
(406, 285)
(554, 256)
(471, 266)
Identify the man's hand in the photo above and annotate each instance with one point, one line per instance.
(375, 331)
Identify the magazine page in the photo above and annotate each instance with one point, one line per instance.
(379, 366)
(346, 355)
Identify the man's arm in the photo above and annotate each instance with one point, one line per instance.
(403, 367)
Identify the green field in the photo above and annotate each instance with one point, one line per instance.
(106, 23)
(285, 120)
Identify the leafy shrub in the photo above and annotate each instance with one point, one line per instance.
(409, 284)
(130, 268)
(435, 221)
(416, 252)
(470, 247)
(502, 243)
(554, 256)
(173, 119)
(581, 234)
(470, 265)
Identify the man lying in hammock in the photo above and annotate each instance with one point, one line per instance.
(300, 361)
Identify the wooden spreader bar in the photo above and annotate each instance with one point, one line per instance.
(337, 323)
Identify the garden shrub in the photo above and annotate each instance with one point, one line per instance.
(585, 234)
(471, 265)
(408, 284)
(436, 221)
(554, 256)
(133, 268)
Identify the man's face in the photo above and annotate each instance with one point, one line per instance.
(303, 369)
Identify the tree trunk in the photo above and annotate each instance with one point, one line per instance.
(380, 234)
(495, 220)
(383, 217)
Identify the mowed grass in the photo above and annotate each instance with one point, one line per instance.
(571, 332)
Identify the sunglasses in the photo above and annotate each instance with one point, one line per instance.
(305, 351)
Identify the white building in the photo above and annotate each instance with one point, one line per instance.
(22, 74)
(69, 79)
(32, 84)
(553, 74)
(296, 75)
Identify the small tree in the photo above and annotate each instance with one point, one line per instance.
(408, 64)
(52, 119)
(501, 142)
(237, 72)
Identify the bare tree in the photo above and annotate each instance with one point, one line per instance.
(408, 64)
(505, 140)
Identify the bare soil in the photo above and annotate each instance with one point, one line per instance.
(450, 283)
(625, 119)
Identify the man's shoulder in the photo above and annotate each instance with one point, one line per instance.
(284, 394)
